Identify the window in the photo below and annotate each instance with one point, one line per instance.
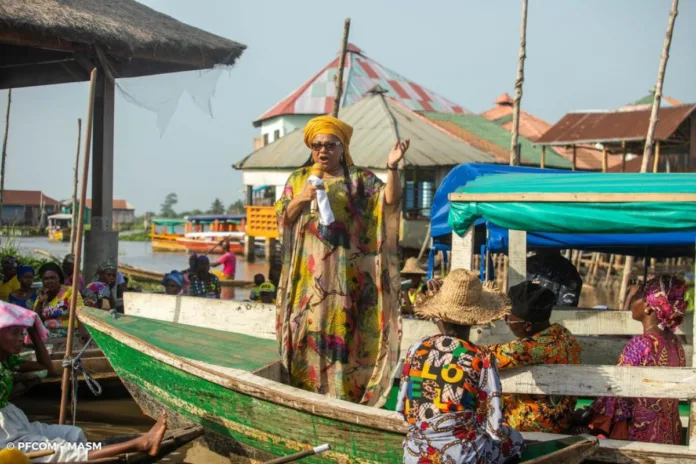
(276, 134)
(265, 139)
(419, 192)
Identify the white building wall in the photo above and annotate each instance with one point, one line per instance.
(284, 124)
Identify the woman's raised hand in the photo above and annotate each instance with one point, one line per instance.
(398, 152)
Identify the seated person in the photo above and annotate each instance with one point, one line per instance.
(659, 305)
(450, 392)
(255, 293)
(173, 283)
(538, 342)
(551, 270)
(15, 426)
(203, 283)
(101, 293)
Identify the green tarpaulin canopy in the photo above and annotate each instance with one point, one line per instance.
(576, 218)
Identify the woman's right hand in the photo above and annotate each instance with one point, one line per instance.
(309, 192)
(43, 295)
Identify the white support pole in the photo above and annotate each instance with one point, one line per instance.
(517, 251)
(463, 250)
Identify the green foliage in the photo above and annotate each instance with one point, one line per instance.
(9, 248)
(217, 207)
(236, 208)
(142, 236)
(167, 208)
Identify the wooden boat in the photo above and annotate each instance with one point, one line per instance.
(146, 275)
(232, 385)
(59, 227)
(164, 238)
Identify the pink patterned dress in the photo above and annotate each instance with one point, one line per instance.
(650, 420)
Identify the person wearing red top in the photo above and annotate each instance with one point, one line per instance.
(228, 261)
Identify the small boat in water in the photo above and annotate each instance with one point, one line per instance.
(165, 238)
(59, 227)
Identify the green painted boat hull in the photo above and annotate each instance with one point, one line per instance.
(242, 427)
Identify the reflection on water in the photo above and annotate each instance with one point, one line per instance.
(140, 254)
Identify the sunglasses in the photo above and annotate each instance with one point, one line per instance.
(316, 146)
(508, 321)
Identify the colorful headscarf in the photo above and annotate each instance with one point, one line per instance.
(176, 277)
(665, 295)
(107, 265)
(24, 269)
(333, 126)
(12, 315)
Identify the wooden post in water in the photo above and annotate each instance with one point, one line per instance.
(514, 153)
(78, 246)
(623, 156)
(4, 149)
(656, 164)
(650, 139)
(542, 164)
(605, 160)
(341, 67)
(73, 228)
(575, 156)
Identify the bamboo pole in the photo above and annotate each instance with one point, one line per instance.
(575, 157)
(73, 228)
(656, 164)
(425, 243)
(609, 269)
(605, 160)
(78, 245)
(4, 149)
(623, 156)
(514, 153)
(542, 165)
(341, 67)
(650, 138)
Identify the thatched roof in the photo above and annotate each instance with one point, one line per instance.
(138, 40)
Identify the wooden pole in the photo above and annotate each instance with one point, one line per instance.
(575, 156)
(4, 149)
(650, 138)
(609, 268)
(73, 228)
(542, 165)
(656, 164)
(78, 245)
(605, 160)
(341, 67)
(623, 156)
(514, 154)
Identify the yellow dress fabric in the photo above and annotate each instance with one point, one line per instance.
(8, 287)
(57, 312)
(338, 316)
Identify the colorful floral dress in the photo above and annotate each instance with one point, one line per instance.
(56, 312)
(539, 413)
(650, 420)
(7, 370)
(338, 322)
(97, 295)
(450, 395)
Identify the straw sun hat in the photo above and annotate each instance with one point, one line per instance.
(463, 300)
(411, 267)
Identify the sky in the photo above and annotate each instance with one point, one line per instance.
(589, 54)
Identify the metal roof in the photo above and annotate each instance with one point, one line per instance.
(614, 126)
(27, 198)
(476, 127)
(316, 96)
(376, 119)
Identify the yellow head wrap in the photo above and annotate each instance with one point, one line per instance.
(333, 126)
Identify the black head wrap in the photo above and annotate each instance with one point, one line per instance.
(55, 268)
(531, 302)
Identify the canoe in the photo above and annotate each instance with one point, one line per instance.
(146, 275)
(173, 440)
(231, 384)
(166, 242)
(202, 245)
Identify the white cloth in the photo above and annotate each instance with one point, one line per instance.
(326, 216)
(15, 428)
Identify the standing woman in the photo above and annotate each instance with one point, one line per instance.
(26, 295)
(338, 321)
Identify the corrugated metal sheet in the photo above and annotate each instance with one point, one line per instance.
(373, 139)
(614, 126)
(361, 74)
(27, 197)
(477, 127)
